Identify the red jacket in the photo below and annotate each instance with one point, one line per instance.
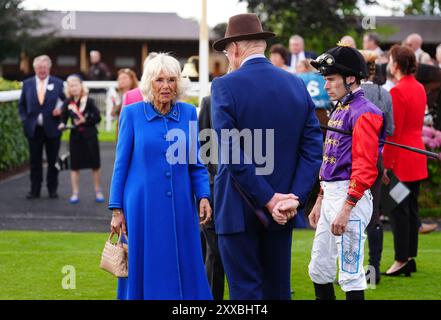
(409, 103)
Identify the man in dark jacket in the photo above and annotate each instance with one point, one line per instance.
(98, 70)
(213, 262)
(40, 109)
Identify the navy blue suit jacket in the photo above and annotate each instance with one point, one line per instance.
(308, 55)
(261, 96)
(29, 107)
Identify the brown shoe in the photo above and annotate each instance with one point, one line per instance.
(428, 227)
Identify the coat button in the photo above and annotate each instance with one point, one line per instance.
(169, 194)
(168, 174)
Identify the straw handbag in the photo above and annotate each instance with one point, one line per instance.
(115, 257)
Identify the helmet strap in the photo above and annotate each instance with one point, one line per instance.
(348, 94)
(348, 85)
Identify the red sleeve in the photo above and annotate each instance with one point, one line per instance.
(390, 152)
(364, 153)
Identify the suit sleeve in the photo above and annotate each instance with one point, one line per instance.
(198, 173)
(204, 121)
(389, 114)
(94, 115)
(310, 155)
(243, 173)
(123, 155)
(390, 152)
(62, 96)
(64, 112)
(365, 138)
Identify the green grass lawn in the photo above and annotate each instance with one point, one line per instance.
(31, 266)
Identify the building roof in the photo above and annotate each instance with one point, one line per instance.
(427, 26)
(121, 25)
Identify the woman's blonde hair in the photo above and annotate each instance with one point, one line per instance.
(84, 90)
(306, 63)
(369, 57)
(163, 62)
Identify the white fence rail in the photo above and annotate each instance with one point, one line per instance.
(103, 99)
(12, 95)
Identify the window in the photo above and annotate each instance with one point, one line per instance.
(67, 61)
(11, 61)
(125, 62)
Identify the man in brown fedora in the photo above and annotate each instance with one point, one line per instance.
(257, 198)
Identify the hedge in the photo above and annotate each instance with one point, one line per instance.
(13, 144)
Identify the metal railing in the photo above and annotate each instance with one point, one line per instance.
(103, 99)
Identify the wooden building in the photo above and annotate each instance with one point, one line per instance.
(395, 29)
(123, 38)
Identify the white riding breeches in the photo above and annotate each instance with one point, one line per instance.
(348, 249)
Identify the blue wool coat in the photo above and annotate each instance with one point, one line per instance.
(159, 202)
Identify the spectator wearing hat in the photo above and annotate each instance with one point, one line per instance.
(256, 201)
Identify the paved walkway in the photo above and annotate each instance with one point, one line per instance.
(18, 213)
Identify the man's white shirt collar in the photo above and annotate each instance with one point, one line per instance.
(418, 53)
(253, 56)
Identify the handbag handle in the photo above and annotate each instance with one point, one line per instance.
(118, 243)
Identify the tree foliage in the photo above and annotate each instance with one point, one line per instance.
(21, 30)
(423, 7)
(219, 30)
(321, 23)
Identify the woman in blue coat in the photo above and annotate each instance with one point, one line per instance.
(157, 182)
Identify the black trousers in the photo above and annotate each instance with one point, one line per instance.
(213, 263)
(375, 228)
(52, 147)
(405, 224)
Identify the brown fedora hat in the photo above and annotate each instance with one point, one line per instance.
(245, 26)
